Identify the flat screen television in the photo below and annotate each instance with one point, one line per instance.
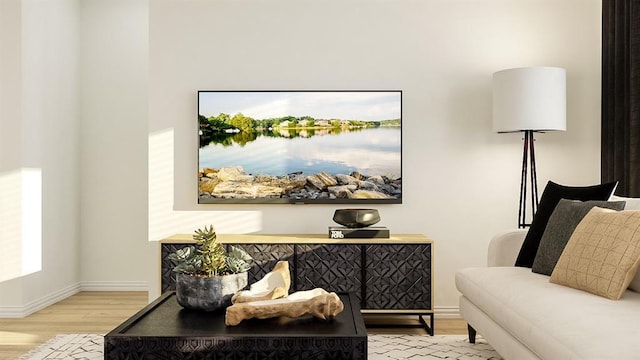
(342, 147)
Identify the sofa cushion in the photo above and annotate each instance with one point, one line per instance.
(555, 322)
(562, 223)
(550, 197)
(603, 254)
(630, 203)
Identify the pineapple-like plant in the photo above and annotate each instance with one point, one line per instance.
(208, 257)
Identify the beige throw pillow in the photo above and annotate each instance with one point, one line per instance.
(603, 253)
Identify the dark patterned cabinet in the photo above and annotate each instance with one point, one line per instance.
(398, 276)
(392, 275)
(329, 266)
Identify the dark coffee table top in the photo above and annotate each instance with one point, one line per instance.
(166, 318)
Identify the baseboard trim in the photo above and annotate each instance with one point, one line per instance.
(114, 286)
(48, 300)
(447, 312)
(37, 305)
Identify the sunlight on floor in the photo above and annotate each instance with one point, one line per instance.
(16, 338)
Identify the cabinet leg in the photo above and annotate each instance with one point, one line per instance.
(428, 327)
(472, 334)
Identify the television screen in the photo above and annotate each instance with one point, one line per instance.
(341, 147)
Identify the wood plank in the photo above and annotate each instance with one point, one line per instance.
(85, 312)
(300, 239)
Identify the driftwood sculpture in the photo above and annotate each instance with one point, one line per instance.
(317, 302)
(273, 285)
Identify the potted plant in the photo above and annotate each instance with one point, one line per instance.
(206, 275)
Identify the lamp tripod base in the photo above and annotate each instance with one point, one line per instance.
(528, 168)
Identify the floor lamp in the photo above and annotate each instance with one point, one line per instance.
(529, 100)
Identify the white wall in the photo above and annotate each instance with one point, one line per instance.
(39, 101)
(10, 147)
(113, 160)
(138, 67)
(461, 180)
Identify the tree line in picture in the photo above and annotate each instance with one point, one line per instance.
(240, 128)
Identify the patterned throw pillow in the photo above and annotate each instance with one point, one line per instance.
(602, 255)
(562, 223)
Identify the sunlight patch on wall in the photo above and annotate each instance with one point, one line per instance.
(163, 220)
(20, 223)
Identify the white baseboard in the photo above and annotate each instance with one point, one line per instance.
(37, 305)
(447, 312)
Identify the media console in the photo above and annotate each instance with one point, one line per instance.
(387, 276)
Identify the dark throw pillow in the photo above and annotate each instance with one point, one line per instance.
(562, 223)
(550, 197)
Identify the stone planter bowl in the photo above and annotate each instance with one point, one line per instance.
(208, 293)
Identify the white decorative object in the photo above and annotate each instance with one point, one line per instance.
(317, 302)
(273, 285)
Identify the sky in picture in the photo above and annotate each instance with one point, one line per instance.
(343, 105)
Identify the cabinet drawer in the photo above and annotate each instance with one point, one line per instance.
(398, 276)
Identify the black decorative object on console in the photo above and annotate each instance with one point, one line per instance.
(356, 218)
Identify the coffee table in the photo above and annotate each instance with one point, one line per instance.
(164, 330)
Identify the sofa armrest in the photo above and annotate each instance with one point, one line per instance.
(504, 247)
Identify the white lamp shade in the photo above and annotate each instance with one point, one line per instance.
(530, 98)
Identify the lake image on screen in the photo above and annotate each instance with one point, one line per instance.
(300, 146)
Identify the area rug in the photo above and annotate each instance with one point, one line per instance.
(381, 347)
(69, 346)
(422, 347)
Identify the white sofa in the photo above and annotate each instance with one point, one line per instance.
(524, 316)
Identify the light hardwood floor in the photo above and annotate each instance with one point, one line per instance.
(101, 312)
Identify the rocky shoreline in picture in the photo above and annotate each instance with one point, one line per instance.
(234, 183)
